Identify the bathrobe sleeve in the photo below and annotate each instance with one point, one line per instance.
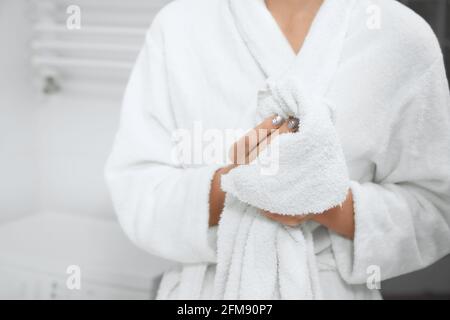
(402, 220)
(162, 207)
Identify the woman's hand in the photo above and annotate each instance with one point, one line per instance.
(247, 148)
(288, 220)
(244, 151)
(340, 219)
(217, 196)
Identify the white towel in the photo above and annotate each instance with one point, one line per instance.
(258, 258)
(311, 172)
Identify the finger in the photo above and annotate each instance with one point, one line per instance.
(241, 150)
(291, 125)
(256, 151)
(290, 220)
(287, 220)
(273, 216)
(261, 147)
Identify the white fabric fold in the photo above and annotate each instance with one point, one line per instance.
(259, 258)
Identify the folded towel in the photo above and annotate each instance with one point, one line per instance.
(311, 173)
(259, 258)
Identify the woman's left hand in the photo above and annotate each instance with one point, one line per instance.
(288, 220)
(339, 219)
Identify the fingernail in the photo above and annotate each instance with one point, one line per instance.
(293, 124)
(277, 121)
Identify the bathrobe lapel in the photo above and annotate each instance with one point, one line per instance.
(317, 61)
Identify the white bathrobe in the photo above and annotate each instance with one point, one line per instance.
(205, 61)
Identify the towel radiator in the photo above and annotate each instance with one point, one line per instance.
(83, 45)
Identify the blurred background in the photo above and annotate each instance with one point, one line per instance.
(60, 94)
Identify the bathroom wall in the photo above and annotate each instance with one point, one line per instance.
(74, 140)
(52, 192)
(76, 126)
(18, 107)
(52, 149)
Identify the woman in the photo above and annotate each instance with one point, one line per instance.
(204, 61)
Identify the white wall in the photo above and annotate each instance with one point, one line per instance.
(52, 150)
(17, 110)
(52, 154)
(75, 135)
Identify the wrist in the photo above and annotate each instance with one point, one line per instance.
(340, 219)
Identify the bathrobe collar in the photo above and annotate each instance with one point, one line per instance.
(317, 60)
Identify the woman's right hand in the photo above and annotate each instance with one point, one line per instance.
(244, 151)
(247, 148)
